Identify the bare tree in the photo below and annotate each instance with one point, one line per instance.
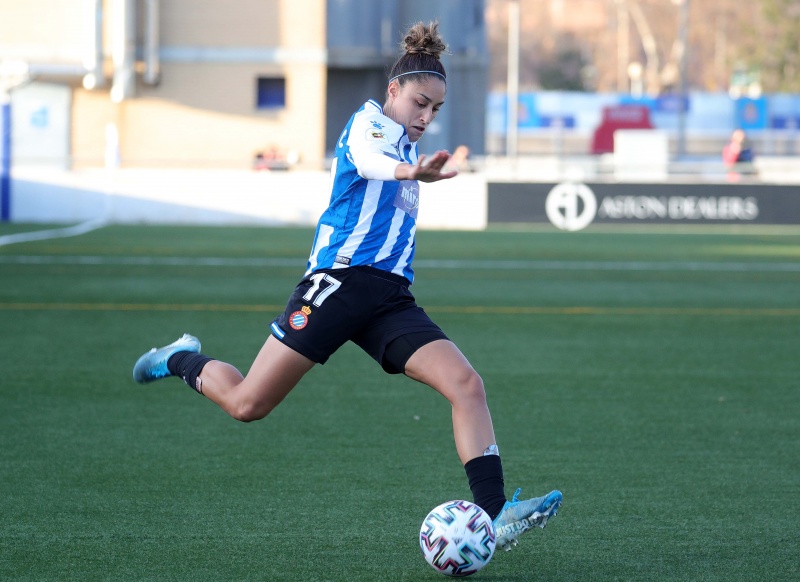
(724, 35)
(772, 42)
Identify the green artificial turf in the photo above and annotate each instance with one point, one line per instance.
(653, 378)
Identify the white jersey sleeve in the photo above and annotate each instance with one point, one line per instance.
(371, 140)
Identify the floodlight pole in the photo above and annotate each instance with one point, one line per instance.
(684, 92)
(512, 81)
(623, 49)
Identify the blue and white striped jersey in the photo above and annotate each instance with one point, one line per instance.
(371, 218)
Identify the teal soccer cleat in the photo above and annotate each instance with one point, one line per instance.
(153, 365)
(517, 517)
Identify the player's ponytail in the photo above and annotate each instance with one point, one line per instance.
(422, 47)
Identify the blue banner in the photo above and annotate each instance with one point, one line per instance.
(751, 113)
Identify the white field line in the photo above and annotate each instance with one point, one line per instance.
(147, 261)
(76, 230)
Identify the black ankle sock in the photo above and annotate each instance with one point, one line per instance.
(188, 365)
(485, 476)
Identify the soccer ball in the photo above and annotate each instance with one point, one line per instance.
(457, 538)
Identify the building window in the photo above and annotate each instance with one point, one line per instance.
(271, 93)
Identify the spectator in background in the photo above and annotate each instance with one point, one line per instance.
(270, 159)
(737, 155)
(260, 163)
(459, 161)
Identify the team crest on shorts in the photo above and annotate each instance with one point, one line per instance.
(299, 319)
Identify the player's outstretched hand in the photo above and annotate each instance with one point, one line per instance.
(428, 169)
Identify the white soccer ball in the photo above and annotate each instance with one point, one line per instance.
(457, 538)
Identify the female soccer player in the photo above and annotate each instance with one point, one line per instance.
(357, 288)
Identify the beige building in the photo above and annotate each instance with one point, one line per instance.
(178, 83)
(210, 83)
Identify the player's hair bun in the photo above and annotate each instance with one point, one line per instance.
(422, 46)
(424, 39)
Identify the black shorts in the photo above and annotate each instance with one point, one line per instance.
(370, 307)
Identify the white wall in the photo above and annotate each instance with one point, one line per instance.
(219, 197)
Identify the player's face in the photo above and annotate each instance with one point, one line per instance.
(415, 104)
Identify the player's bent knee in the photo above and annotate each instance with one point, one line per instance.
(250, 411)
(470, 388)
(476, 388)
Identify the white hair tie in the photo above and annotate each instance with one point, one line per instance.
(414, 72)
